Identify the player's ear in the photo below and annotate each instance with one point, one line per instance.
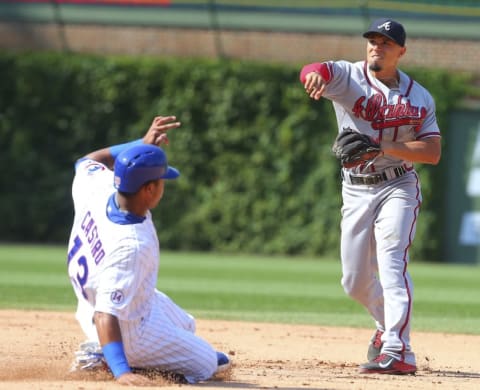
(149, 187)
(403, 50)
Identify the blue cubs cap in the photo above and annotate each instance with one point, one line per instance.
(388, 28)
(139, 164)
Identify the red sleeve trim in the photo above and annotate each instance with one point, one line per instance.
(324, 69)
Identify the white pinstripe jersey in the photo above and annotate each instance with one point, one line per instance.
(112, 265)
(113, 262)
(362, 102)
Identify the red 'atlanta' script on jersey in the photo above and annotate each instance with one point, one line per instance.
(383, 115)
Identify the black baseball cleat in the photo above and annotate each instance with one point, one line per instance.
(386, 364)
(375, 346)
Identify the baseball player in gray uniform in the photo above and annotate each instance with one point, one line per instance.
(381, 197)
(113, 261)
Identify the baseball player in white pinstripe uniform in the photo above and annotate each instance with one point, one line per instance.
(113, 261)
(381, 197)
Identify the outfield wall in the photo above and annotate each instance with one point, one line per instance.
(440, 34)
(281, 47)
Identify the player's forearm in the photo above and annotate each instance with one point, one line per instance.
(103, 156)
(156, 135)
(108, 328)
(110, 337)
(107, 156)
(322, 68)
(315, 67)
(426, 151)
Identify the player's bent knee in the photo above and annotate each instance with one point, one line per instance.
(354, 288)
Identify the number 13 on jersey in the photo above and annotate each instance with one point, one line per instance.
(80, 263)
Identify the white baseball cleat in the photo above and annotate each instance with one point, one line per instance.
(88, 357)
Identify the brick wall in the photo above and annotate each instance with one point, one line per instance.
(293, 48)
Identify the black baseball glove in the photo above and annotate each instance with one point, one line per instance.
(353, 148)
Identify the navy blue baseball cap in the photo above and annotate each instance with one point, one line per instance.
(388, 28)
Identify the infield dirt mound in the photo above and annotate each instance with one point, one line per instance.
(37, 350)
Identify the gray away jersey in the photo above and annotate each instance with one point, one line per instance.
(362, 102)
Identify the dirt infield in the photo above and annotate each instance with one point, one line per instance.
(37, 350)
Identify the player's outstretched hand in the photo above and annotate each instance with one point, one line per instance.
(131, 379)
(314, 85)
(157, 133)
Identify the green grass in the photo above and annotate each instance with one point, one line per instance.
(252, 288)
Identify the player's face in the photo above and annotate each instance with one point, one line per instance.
(383, 53)
(155, 192)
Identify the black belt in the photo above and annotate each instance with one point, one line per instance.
(374, 178)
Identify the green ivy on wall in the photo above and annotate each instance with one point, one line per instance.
(254, 151)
